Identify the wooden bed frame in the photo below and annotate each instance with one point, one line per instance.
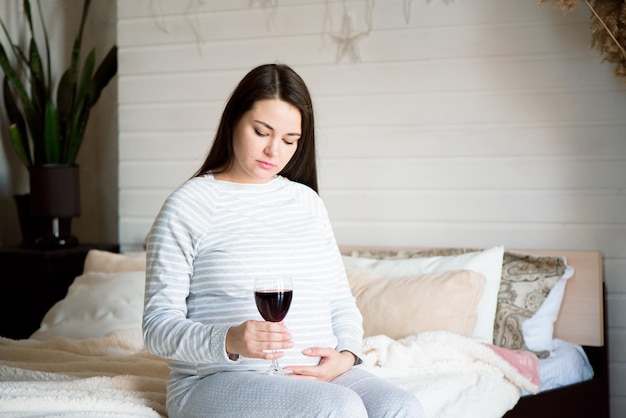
(581, 321)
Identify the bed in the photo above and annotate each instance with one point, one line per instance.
(87, 359)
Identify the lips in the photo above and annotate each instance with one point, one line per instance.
(266, 165)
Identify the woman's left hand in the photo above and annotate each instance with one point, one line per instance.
(332, 364)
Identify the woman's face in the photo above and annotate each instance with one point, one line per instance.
(264, 140)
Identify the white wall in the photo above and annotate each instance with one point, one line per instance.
(472, 123)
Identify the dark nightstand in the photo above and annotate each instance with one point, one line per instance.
(33, 280)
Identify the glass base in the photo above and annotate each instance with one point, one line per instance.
(276, 370)
(272, 371)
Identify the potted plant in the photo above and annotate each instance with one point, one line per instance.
(47, 125)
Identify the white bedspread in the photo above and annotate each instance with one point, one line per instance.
(453, 376)
(113, 376)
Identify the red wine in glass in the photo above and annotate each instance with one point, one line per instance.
(273, 298)
(273, 304)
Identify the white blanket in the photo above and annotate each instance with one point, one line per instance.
(452, 376)
(113, 376)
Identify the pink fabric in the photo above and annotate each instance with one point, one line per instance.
(525, 362)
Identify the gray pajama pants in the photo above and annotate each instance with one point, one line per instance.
(356, 393)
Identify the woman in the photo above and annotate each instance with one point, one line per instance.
(252, 208)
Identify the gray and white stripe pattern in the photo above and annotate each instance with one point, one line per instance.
(207, 244)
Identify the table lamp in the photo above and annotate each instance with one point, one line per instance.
(55, 196)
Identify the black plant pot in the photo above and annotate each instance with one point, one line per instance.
(55, 197)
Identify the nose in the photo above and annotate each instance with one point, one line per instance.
(271, 148)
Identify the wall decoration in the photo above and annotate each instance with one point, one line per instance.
(608, 25)
(608, 28)
(406, 8)
(347, 40)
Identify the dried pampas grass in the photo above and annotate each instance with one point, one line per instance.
(608, 32)
(608, 28)
(566, 5)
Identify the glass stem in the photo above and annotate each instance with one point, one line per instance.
(275, 365)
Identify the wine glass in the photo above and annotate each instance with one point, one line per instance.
(273, 298)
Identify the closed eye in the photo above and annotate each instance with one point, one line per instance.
(288, 139)
(259, 133)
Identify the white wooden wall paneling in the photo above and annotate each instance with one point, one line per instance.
(475, 123)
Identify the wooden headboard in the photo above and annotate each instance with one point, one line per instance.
(581, 319)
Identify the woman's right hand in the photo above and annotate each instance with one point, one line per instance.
(256, 339)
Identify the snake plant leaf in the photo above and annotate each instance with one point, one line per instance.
(85, 87)
(14, 48)
(65, 99)
(104, 74)
(17, 128)
(73, 108)
(37, 82)
(47, 43)
(87, 95)
(12, 75)
(52, 135)
(28, 13)
(19, 88)
(20, 96)
(38, 92)
(17, 140)
(81, 107)
(78, 131)
(78, 42)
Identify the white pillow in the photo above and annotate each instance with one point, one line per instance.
(487, 262)
(96, 304)
(538, 330)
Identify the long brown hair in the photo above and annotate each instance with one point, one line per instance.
(268, 81)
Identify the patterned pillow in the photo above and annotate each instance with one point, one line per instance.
(526, 283)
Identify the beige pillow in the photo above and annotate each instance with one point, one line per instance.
(402, 306)
(108, 262)
(487, 262)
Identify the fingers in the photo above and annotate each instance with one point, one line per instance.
(319, 352)
(257, 339)
(269, 338)
(332, 363)
(320, 372)
(275, 329)
(274, 334)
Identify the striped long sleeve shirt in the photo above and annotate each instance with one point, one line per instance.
(207, 244)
